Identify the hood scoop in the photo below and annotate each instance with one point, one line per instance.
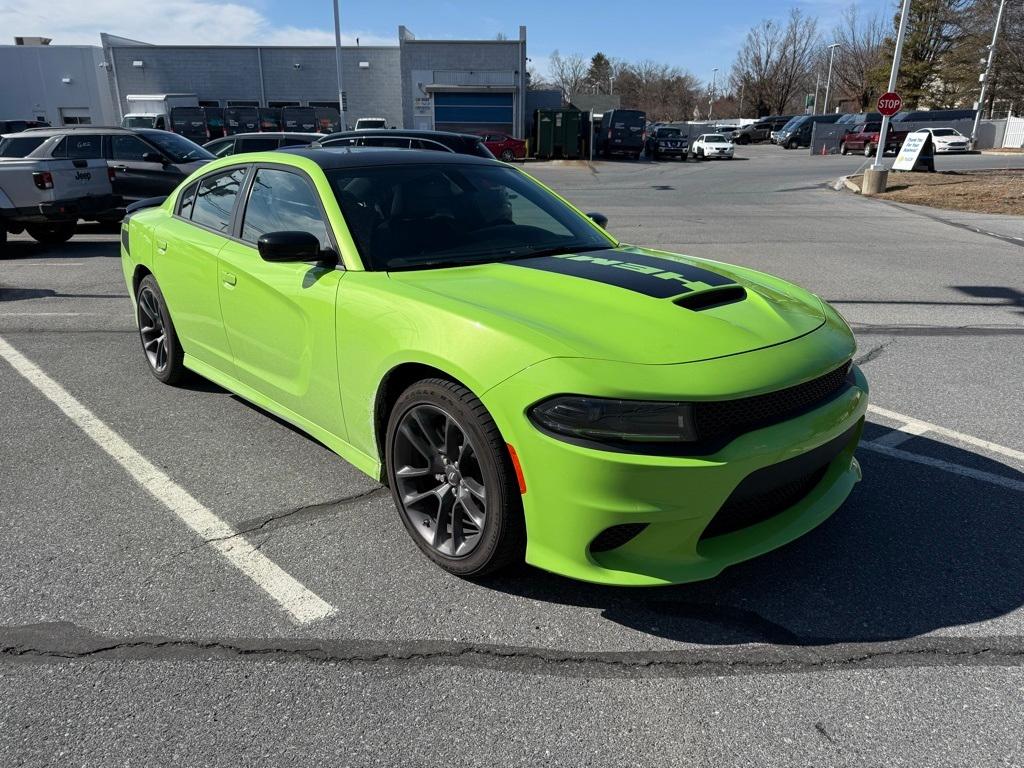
(713, 297)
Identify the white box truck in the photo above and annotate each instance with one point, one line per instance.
(153, 110)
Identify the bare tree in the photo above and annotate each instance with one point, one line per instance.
(775, 65)
(858, 72)
(663, 92)
(568, 73)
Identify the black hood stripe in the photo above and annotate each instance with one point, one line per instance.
(639, 272)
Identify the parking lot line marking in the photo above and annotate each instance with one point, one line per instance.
(909, 421)
(901, 434)
(301, 604)
(948, 466)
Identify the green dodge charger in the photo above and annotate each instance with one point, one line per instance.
(526, 385)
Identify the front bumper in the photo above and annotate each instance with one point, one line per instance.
(574, 493)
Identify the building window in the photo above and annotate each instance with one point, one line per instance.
(332, 104)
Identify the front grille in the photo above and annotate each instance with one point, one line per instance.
(772, 490)
(737, 514)
(727, 418)
(616, 536)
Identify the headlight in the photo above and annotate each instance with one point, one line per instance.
(607, 420)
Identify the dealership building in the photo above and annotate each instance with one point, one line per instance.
(477, 85)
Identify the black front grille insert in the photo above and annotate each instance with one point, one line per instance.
(772, 490)
(728, 418)
(616, 536)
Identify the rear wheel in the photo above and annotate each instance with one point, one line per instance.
(843, 150)
(156, 331)
(52, 234)
(869, 149)
(452, 479)
(508, 155)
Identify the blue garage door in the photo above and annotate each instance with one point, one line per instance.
(474, 112)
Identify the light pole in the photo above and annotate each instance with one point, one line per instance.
(828, 80)
(985, 76)
(897, 54)
(817, 84)
(711, 95)
(337, 61)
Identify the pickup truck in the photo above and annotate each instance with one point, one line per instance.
(867, 136)
(47, 197)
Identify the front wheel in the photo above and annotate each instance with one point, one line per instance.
(452, 479)
(791, 144)
(52, 234)
(156, 331)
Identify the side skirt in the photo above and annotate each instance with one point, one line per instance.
(361, 461)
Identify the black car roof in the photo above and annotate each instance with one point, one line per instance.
(333, 158)
(311, 135)
(401, 132)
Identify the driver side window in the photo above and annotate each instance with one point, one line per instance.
(128, 147)
(282, 201)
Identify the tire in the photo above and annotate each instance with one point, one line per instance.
(869, 150)
(843, 150)
(508, 155)
(52, 234)
(432, 420)
(155, 331)
(791, 144)
(699, 154)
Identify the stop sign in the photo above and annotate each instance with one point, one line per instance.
(889, 103)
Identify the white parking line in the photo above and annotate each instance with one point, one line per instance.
(948, 466)
(921, 427)
(302, 604)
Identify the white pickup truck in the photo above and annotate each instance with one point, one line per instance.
(47, 197)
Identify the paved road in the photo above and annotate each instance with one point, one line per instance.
(892, 635)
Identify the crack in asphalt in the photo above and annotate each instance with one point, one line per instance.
(937, 330)
(61, 642)
(874, 352)
(314, 511)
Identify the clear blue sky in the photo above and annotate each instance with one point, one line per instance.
(695, 36)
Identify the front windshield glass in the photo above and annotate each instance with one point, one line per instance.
(792, 123)
(667, 133)
(139, 122)
(20, 146)
(421, 216)
(715, 138)
(179, 148)
(944, 132)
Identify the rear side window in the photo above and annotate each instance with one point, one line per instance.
(385, 141)
(188, 197)
(128, 147)
(20, 146)
(282, 201)
(428, 144)
(79, 147)
(215, 199)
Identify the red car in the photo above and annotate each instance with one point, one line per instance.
(504, 147)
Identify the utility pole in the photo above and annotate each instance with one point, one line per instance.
(901, 33)
(711, 97)
(828, 81)
(337, 61)
(984, 77)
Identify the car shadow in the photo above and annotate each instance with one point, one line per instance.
(916, 548)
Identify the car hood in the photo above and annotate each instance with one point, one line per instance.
(629, 304)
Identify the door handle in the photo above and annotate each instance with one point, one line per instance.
(229, 278)
(161, 245)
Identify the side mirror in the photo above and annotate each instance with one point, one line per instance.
(288, 246)
(598, 218)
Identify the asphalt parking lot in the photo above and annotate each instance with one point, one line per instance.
(892, 635)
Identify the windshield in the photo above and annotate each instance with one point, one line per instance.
(945, 132)
(792, 123)
(370, 123)
(180, 149)
(422, 216)
(139, 122)
(20, 146)
(667, 133)
(716, 138)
